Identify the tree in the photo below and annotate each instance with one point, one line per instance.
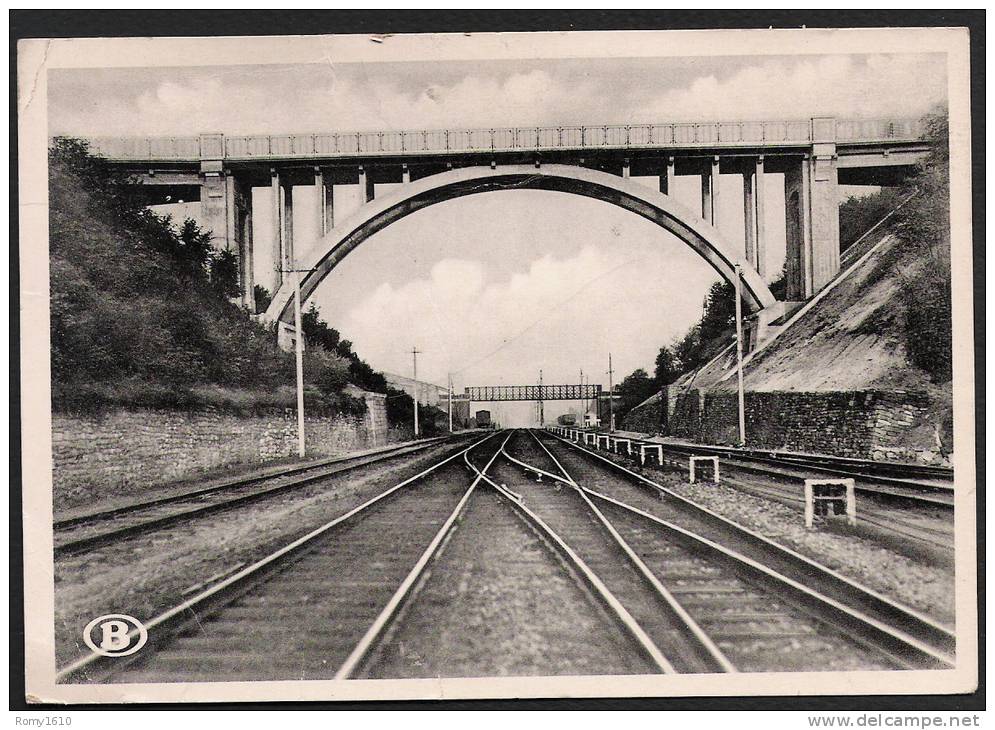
(667, 369)
(633, 390)
(224, 274)
(924, 226)
(325, 370)
(263, 298)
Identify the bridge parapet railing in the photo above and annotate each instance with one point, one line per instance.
(504, 139)
(146, 148)
(875, 130)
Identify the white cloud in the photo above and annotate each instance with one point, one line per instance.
(285, 100)
(561, 314)
(830, 85)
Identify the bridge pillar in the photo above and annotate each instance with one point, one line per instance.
(276, 212)
(750, 216)
(213, 203)
(365, 183)
(226, 211)
(710, 190)
(239, 206)
(797, 231)
(761, 218)
(289, 260)
(754, 247)
(667, 178)
(825, 204)
(811, 207)
(325, 199)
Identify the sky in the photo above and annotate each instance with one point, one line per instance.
(496, 286)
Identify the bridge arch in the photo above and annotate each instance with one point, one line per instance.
(379, 213)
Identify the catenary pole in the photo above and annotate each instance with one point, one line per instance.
(299, 354)
(611, 397)
(739, 358)
(414, 361)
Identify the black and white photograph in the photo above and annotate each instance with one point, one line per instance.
(497, 365)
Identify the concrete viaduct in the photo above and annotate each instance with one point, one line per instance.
(814, 155)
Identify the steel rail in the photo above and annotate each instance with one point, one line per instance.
(98, 539)
(848, 618)
(932, 493)
(175, 619)
(705, 642)
(931, 539)
(364, 648)
(630, 624)
(881, 607)
(942, 541)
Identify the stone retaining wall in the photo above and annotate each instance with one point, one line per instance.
(864, 424)
(127, 448)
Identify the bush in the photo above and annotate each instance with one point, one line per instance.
(141, 310)
(859, 214)
(924, 227)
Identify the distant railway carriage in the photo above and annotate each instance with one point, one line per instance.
(483, 419)
(567, 419)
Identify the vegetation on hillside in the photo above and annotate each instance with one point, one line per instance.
(142, 311)
(924, 226)
(858, 214)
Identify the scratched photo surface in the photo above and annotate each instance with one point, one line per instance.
(588, 364)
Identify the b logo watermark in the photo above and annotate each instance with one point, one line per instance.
(115, 634)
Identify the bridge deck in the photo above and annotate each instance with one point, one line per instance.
(667, 135)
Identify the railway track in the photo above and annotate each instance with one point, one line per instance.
(323, 606)
(929, 486)
(897, 632)
(672, 594)
(923, 528)
(928, 523)
(616, 643)
(82, 532)
(298, 612)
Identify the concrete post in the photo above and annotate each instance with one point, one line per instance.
(811, 195)
(806, 267)
(797, 230)
(239, 209)
(625, 168)
(714, 184)
(247, 259)
(749, 217)
(325, 199)
(406, 173)
(231, 214)
(761, 220)
(277, 213)
(214, 204)
(706, 194)
(365, 184)
(667, 178)
(824, 205)
(288, 227)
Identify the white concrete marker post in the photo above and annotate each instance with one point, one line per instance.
(642, 452)
(811, 498)
(693, 463)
